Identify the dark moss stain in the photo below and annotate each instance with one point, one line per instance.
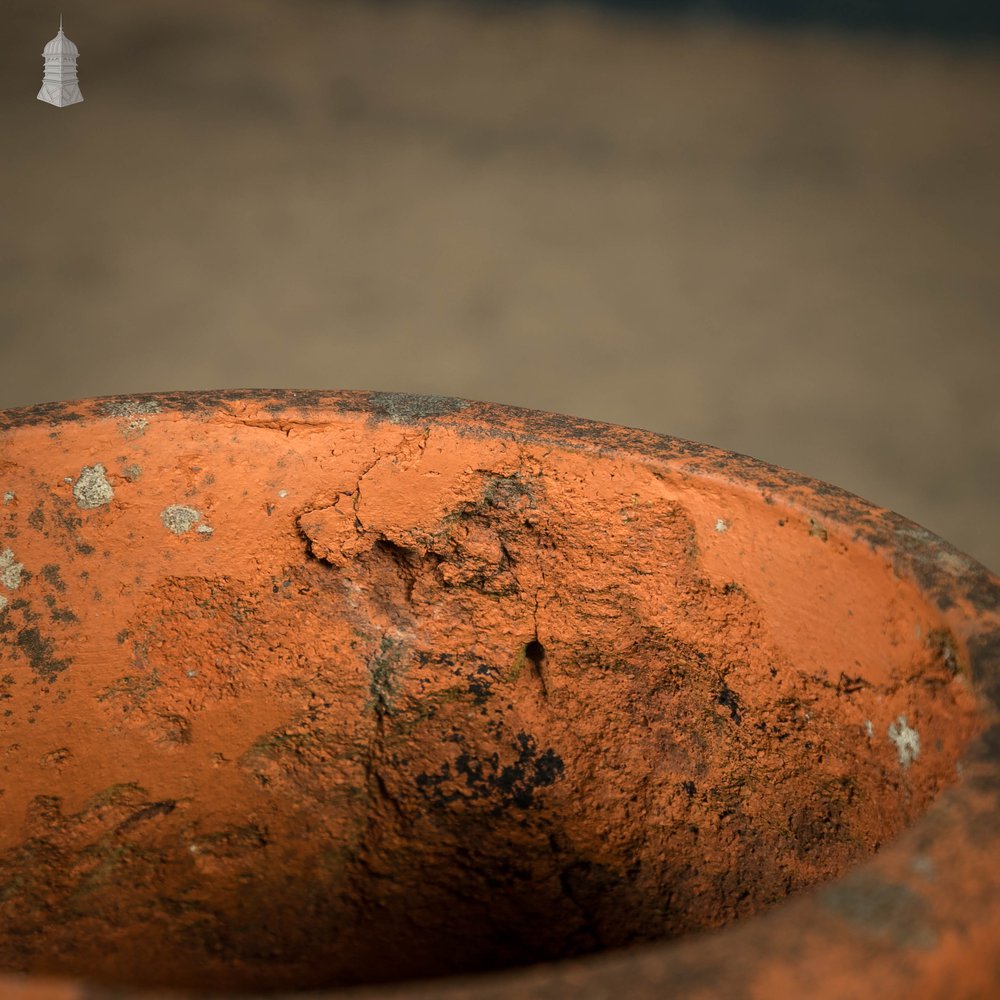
(383, 684)
(817, 530)
(25, 608)
(173, 728)
(133, 688)
(65, 520)
(205, 403)
(850, 685)
(36, 519)
(50, 573)
(728, 699)
(40, 413)
(121, 793)
(506, 492)
(983, 593)
(409, 408)
(984, 665)
(232, 841)
(505, 786)
(39, 651)
(823, 819)
(151, 811)
(6, 683)
(481, 685)
(944, 649)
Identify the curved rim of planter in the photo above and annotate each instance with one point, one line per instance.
(919, 919)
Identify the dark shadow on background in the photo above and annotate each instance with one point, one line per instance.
(961, 19)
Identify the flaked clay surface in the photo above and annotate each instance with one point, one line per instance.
(342, 700)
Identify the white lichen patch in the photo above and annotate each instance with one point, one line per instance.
(92, 488)
(3, 602)
(869, 728)
(178, 518)
(205, 529)
(9, 496)
(721, 525)
(282, 494)
(10, 570)
(906, 740)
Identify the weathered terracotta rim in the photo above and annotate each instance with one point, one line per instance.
(903, 922)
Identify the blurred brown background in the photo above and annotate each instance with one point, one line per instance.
(783, 240)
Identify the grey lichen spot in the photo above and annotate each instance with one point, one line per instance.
(721, 525)
(131, 413)
(132, 472)
(178, 518)
(129, 407)
(869, 728)
(134, 428)
(205, 529)
(406, 407)
(882, 910)
(3, 602)
(10, 570)
(906, 740)
(9, 496)
(92, 488)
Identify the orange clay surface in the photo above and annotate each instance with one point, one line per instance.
(309, 703)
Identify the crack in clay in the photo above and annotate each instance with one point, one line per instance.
(283, 426)
(357, 494)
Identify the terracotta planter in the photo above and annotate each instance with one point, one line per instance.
(309, 690)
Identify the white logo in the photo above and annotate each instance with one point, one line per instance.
(59, 85)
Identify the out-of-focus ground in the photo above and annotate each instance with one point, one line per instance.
(785, 243)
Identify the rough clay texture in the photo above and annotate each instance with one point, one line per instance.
(429, 701)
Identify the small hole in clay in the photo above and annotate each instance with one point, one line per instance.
(535, 652)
